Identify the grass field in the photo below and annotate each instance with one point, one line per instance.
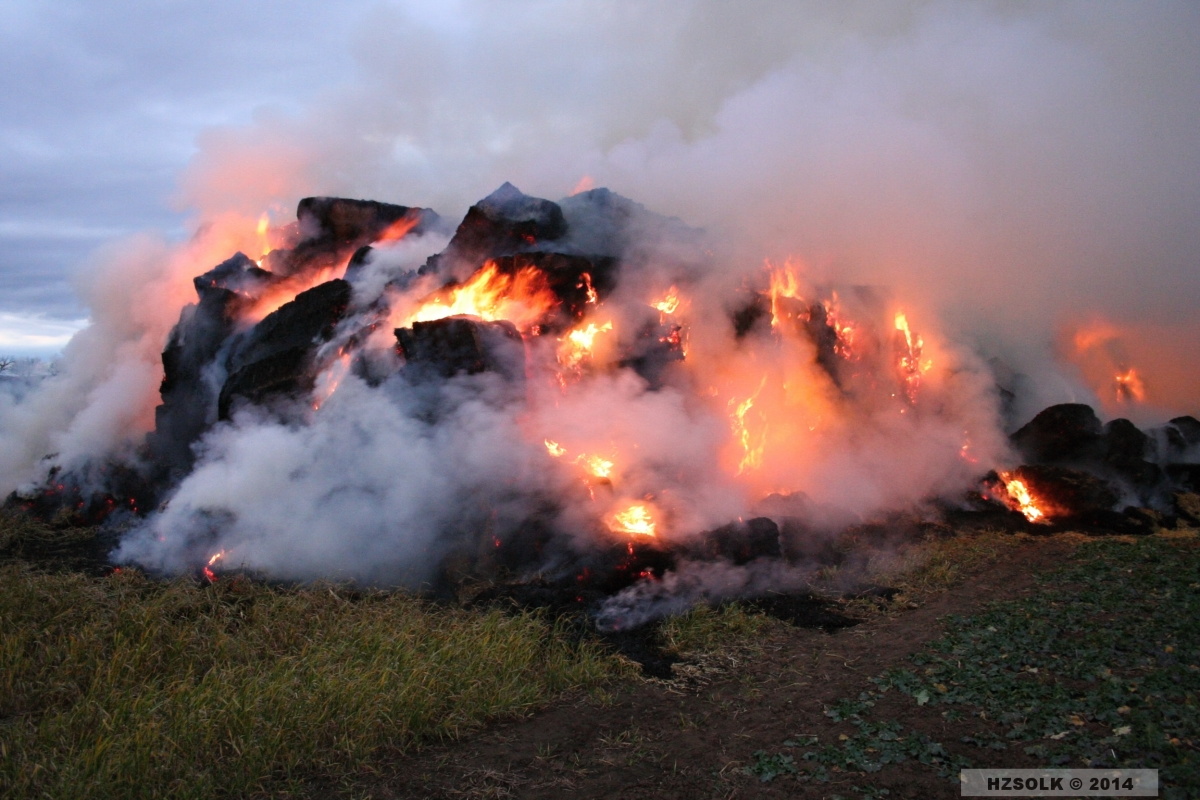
(127, 687)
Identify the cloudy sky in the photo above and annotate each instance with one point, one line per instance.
(1024, 166)
(101, 106)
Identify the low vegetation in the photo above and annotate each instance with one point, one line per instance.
(1099, 668)
(123, 686)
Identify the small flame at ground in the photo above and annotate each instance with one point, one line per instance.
(209, 574)
(1021, 499)
(555, 449)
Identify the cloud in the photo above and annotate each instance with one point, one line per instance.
(35, 334)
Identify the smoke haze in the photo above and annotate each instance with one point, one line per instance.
(1010, 173)
(1010, 166)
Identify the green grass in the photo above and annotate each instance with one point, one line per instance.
(1099, 668)
(133, 688)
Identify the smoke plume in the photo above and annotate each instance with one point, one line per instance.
(1010, 175)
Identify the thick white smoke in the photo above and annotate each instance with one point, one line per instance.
(1015, 167)
(1007, 170)
(366, 491)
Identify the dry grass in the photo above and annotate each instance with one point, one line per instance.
(932, 566)
(128, 687)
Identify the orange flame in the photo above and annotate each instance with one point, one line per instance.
(585, 283)
(264, 225)
(598, 466)
(586, 184)
(280, 294)
(785, 283)
(670, 303)
(1021, 499)
(522, 298)
(209, 573)
(1101, 350)
(636, 519)
(1129, 386)
(399, 229)
(752, 447)
(845, 330)
(909, 360)
(579, 344)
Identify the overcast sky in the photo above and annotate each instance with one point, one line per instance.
(1046, 151)
(100, 108)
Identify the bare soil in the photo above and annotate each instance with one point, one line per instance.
(690, 737)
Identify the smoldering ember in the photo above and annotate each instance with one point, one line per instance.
(577, 395)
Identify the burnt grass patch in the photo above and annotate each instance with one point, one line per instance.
(645, 644)
(1098, 668)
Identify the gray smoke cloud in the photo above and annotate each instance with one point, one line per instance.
(1009, 171)
(1012, 167)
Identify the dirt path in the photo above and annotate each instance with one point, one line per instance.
(667, 740)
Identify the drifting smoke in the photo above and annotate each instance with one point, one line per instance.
(656, 413)
(1005, 170)
(1011, 167)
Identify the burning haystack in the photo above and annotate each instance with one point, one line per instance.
(584, 390)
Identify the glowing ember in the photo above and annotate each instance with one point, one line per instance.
(636, 519)
(280, 294)
(1021, 499)
(555, 449)
(522, 298)
(1129, 386)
